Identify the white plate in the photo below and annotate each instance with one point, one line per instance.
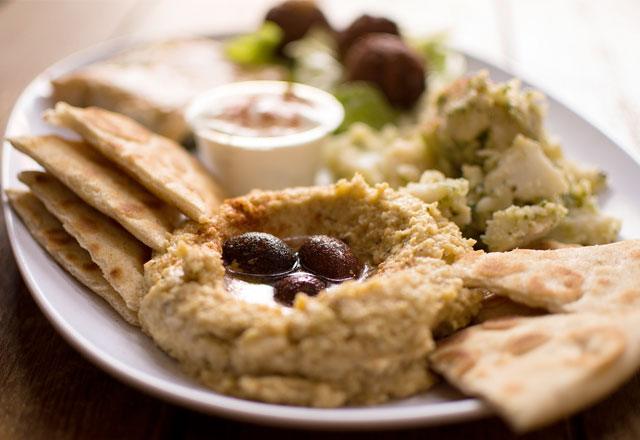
(95, 330)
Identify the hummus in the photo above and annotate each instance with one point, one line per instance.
(362, 342)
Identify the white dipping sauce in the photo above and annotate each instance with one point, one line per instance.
(263, 115)
(263, 134)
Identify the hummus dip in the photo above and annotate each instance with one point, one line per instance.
(361, 342)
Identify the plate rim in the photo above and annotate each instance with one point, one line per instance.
(366, 418)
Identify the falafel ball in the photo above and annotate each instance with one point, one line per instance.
(295, 18)
(361, 26)
(386, 61)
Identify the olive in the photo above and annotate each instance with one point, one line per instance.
(287, 287)
(361, 26)
(295, 18)
(387, 62)
(258, 253)
(330, 258)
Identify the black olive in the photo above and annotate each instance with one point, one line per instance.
(295, 18)
(330, 258)
(387, 62)
(287, 288)
(258, 253)
(361, 26)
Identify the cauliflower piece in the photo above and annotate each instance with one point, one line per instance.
(450, 194)
(391, 155)
(527, 172)
(518, 226)
(521, 187)
(589, 179)
(474, 115)
(516, 186)
(586, 225)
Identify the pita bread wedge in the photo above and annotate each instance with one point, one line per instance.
(48, 231)
(103, 186)
(158, 163)
(537, 370)
(153, 83)
(118, 254)
(576, 279)
(547, 244)
(495, 307)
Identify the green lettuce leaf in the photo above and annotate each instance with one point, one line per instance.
(364, 103)
(256, 48)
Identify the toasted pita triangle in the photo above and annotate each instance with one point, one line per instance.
(497, 307)
(103, 186)
(537, 370)
(154, 82)
(158, 163)
(118, 254)
(48, 231)
(576, 279)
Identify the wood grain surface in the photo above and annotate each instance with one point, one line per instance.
(585, 52)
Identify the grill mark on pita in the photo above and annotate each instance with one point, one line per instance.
(522, 344)
(500, 324)
(513, 388)
(603, 282)
(94, 247)
(600, 346)
(88, 223)
(58, 236)
(458, 361)
(132, 210)
(558, 282)
(499, 268)
(570, 279)
(630, 297)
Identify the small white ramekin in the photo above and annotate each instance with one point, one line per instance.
(243, 163)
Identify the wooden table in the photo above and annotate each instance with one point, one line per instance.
(585, 52)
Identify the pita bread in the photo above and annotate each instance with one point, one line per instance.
(102, 186)
(153, 83)
(48, 231)
(495, 307)
(118, 254)
(537, 370)
(578, 279)
(162, 166)
(546, 245)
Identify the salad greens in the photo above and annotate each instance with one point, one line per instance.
(364, 103)
(314, 60)
(257, 48)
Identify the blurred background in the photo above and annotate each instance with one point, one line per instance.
(584, 52)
